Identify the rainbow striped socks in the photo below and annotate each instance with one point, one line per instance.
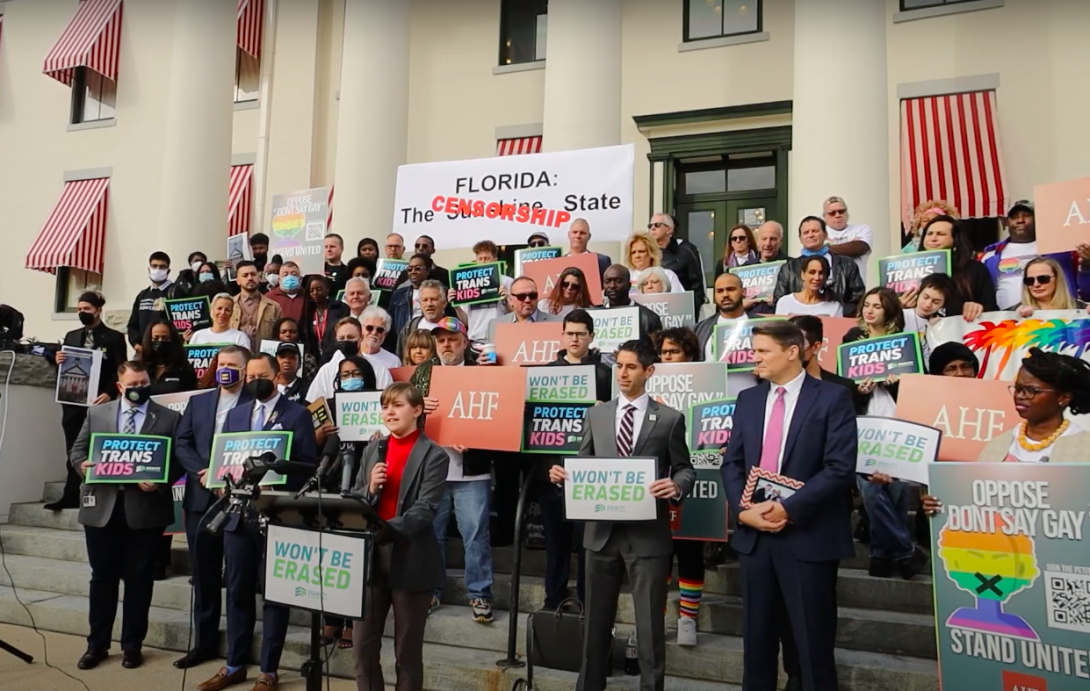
(691, 592)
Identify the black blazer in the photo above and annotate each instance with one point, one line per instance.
(415, 561)
(114, 352)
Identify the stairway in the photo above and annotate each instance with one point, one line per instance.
(886, 637)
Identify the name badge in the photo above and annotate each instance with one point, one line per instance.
(89, 501)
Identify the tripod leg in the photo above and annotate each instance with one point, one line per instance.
(12, 650)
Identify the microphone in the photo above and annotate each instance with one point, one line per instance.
(329, 454)
(290, 467)
(383, 448)
(348, 468)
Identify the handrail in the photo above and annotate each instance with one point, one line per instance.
(512, 661)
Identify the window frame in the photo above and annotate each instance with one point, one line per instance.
(61, 292)
(78, 110)
(501, 45)
(932, 4)
(685, 25)
(239, 53)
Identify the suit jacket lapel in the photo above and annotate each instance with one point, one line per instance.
(760, 426)
(807, 396)
(609, 434)
(412, 467)
(650, 418)
(149, 420)
(275, 414)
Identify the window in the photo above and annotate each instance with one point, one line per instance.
(718, 18)
(93, 96)
(247, 77)
(523, 28)
(71, 283)
(919, 4)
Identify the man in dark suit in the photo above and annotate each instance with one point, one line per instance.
(123, 523)
(632, 425)
(96, 336)
(243, 543)
(204, 417)
(789, 551)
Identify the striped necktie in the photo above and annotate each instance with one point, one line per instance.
(130, 422)
(624, 437)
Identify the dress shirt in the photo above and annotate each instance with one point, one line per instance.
(790, 398)
(269, 406)
(637, 417)
(123, 414)
(225, 405)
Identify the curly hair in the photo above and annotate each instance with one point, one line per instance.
(1066, 374)
(684, 337)
(919, 219)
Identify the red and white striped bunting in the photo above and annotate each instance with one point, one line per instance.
(251, 21)
(75, 234)
(521, 145)
(239, 200)
(92, 40)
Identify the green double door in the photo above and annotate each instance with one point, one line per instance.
(707, 224)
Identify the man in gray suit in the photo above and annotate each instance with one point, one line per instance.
(123, 523)
(632, 425)
(522, 299)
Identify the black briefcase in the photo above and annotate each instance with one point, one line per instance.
(554, 639)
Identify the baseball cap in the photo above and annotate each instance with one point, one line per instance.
(533, 236)
(287, 347)
(450, 324)
(1023, 204)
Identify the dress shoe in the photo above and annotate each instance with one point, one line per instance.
(91, 658)
(64, 503)
(793, 684)
(913, 565)
(131, 659)
(880, 568)
(159, 572)
(222, 680)
(266, 682)
(195, 657)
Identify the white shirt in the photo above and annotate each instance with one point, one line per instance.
(675, 283)
(1012, 266)
(207, 337)
(383, 358)
(916, 323)
(790, 399)
(481, 315)
(544, 305)
(790, 305)
(852, 232)
(416, 302)
(1017, 454)
(637, 417)
(326, 377)
(267, 407)
(225, 405)
(708, 355)
(123, 415)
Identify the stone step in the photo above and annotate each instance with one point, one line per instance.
(471, 649)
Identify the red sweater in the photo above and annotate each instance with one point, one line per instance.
(289, 306)
(397, 455)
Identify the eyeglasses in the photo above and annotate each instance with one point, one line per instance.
(652, 226)
(837, 212)
(523, 297)
(577, 334)
(371, 328)
(1041, 280)
(670, 351)
(568, 285)
(539, 243)
(1019, 391)
(739, 238)
(395, 247)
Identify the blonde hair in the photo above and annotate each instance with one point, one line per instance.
(1061, 299)
(418, 339)
(946, 207)
(654, 272)
(648, 242)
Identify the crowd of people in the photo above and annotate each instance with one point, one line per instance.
(330, 335)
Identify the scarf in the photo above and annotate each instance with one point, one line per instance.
(814, 253)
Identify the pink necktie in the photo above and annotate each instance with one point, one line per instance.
(770, 452)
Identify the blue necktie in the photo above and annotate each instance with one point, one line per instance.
(259, 418)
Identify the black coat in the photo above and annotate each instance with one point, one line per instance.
(148, 307)
(976, 277)
(846, 285)
(114, 352)
(683, 258)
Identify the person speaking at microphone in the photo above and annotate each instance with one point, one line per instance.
(244, 545)
(404, 478)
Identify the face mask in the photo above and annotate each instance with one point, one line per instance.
(352, 384)
(196, 266)
(259, 260)
(138, 395)
(228, 376)
(206, 277)
(260, 389)
(348, 348)
(160, 346)
(86, 318)
(158, 275)
(291, 283)
(273, 279)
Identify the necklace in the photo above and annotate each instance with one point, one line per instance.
(1044, 443)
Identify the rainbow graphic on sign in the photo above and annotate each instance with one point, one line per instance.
(992, 567)
(1011, 336)
(286, 227)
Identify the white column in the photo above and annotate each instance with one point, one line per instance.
(196, 161)
(583, 75)
(372, 124)
(840, 135)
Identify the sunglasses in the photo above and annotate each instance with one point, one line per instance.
(1041, 280)
(837, 212)
(568, 285)
(423, 246)
(539, 244)
(523, 297)
(738, 238)
(370, 328)
(656, 225)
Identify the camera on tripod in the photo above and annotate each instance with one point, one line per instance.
(241, 492)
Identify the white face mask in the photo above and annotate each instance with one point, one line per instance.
(273, 279)
(196, 266)
(158, 275)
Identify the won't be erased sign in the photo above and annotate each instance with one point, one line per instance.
(128, 458)
(308, 571)
(877, 358)
(610, 489)
(901, 449)
(359, 415)
(230, 450)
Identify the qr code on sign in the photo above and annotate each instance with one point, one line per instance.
(315, 230)
(1068, 597)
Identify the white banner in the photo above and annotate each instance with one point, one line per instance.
(900, 449)
(358, 415)
(299, 574)
(610, 489)
(506, 198)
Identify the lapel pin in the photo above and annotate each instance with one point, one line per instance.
(652, 417)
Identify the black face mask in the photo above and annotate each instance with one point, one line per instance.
(260, 389)
(86, 318)
(348, 348)
(161, 346)
(259, 261)
(138, 395)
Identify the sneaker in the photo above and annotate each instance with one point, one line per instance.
(482, 610)
(686, 632)
(433, 605)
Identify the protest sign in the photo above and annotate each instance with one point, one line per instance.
(557, 399)
(877, 358)
(681, 385)
(615, 325)
(903, 450)
(505, 198)
(528, 344)
(298, 228)
(534, 254)
(674, 309)
(1012, 575)
(201, 357)
(230, 450)
(734, 343)
(759, 280)
(610, 489)
(238, 249)
(968, 412)
(478, 408)
(546, 272)
(1001, 339)
(128, 458)
(178, 402)
(703, 514)
(833, 330)
(476, 283)
(269, 346)
(191, 314)
(177, 492)
(903, 272)
(77, 376)
(359, 415)
(320, 413)
(1062, 215)
(387, 271)
(320, 571)
(403, 373)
